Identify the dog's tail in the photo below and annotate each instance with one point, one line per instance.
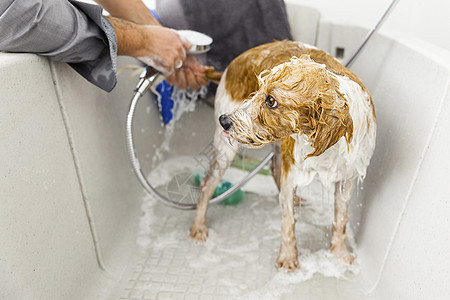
(212, 75)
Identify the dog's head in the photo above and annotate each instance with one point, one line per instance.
(296, 97)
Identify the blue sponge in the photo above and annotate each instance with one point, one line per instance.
(166, 105)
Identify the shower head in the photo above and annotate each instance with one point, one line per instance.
(201, 43)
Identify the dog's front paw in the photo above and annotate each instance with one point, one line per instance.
(287, 263)
(343, 253)
(199, 232)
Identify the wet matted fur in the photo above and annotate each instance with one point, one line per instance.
(321, 113)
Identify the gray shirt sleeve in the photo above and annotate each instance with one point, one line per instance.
(64, 30)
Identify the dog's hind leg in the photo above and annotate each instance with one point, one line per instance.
(223, 154)
(342, 195)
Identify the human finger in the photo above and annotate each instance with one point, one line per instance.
(201, 79)
(190, 79)
(180, 79)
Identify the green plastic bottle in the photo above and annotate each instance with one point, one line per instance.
(221, 188)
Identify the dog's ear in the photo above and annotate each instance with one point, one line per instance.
(325, 120)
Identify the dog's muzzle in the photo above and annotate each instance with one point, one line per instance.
(225, 122)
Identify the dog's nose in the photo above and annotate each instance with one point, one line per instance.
(225, 121)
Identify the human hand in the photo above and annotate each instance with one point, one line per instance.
(159, 47)
(163, 49)
(180, 70)
(191, 75)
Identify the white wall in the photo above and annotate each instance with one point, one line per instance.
(425, 20)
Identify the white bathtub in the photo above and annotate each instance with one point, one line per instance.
(70, 205)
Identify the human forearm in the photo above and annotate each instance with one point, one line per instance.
(129, 37)
(131, 10)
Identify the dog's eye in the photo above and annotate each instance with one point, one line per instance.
(271, 102)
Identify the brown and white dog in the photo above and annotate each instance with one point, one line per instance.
(321, 112)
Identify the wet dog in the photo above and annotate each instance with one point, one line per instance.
(320, 112)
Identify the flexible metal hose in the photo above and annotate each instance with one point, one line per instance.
(146, 80)
(371, 33)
